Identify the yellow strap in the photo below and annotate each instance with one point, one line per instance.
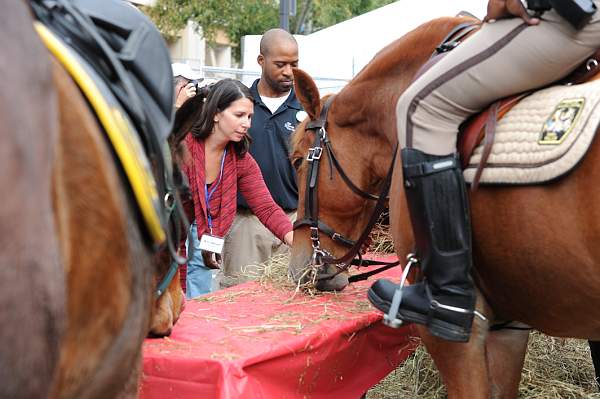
(120, 132)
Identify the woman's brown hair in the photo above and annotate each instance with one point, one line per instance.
(196, 115)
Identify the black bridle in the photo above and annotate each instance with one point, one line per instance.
(176, 221)
(320, 256)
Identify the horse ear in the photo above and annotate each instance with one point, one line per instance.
(307, 93)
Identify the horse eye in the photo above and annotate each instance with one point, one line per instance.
(297, 162)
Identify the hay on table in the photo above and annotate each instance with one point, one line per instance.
(273, 271)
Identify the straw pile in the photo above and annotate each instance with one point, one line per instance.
(381, 239)
(555, 368)
(274, 271)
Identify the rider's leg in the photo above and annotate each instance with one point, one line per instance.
(503, 58)
(439, 212)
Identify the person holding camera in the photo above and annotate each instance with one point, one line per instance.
(521, 46)
(186, 82)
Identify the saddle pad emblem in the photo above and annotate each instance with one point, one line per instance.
(561, 121)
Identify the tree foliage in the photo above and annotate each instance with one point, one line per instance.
(330, 12)
(237, 18)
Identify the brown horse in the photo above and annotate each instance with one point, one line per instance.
(535, 252)
(77, 277)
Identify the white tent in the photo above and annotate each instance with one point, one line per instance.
(341, 51)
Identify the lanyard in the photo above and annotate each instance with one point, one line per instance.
(208, 194)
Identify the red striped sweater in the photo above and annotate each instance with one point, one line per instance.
(239, 173)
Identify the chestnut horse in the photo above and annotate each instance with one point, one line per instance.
(536, 257)
(77, 276)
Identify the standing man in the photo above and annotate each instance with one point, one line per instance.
(276, 114)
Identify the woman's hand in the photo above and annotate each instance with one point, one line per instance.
(211, 260)
(499, 9)
(288, 239)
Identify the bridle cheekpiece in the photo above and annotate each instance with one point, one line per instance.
(320, 256)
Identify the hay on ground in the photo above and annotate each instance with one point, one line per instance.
(555, 368)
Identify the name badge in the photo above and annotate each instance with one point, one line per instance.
(211, 243)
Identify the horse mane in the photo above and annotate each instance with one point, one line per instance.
(410, 51)
(396, 63)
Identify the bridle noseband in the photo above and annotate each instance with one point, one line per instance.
(320, 256)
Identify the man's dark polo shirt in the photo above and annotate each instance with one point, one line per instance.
(271, 141)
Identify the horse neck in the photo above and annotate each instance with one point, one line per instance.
(365, 129)
(368, 109)
(387, 76)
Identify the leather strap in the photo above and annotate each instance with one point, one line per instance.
(488, 141)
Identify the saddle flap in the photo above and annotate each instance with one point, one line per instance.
(472, 131)
(541, 138)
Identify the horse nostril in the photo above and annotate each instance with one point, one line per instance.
(160, 332)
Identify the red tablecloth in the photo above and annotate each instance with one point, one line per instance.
(256, 341)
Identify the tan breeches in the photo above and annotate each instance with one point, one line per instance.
(504, 58)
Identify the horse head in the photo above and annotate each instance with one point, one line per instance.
(359, 124)
(170, 301)
(336, 191)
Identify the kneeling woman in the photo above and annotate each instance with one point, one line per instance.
(213, 130)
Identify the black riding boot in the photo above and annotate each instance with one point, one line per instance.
(437, 200)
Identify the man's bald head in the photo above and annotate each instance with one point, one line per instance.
(274, 38)
(278, 56)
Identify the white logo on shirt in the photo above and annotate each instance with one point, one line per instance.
(289, 126)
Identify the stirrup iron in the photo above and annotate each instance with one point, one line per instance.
(390, 319)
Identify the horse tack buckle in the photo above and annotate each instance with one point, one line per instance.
(314, 153)
(317, 257)
(314, 237)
